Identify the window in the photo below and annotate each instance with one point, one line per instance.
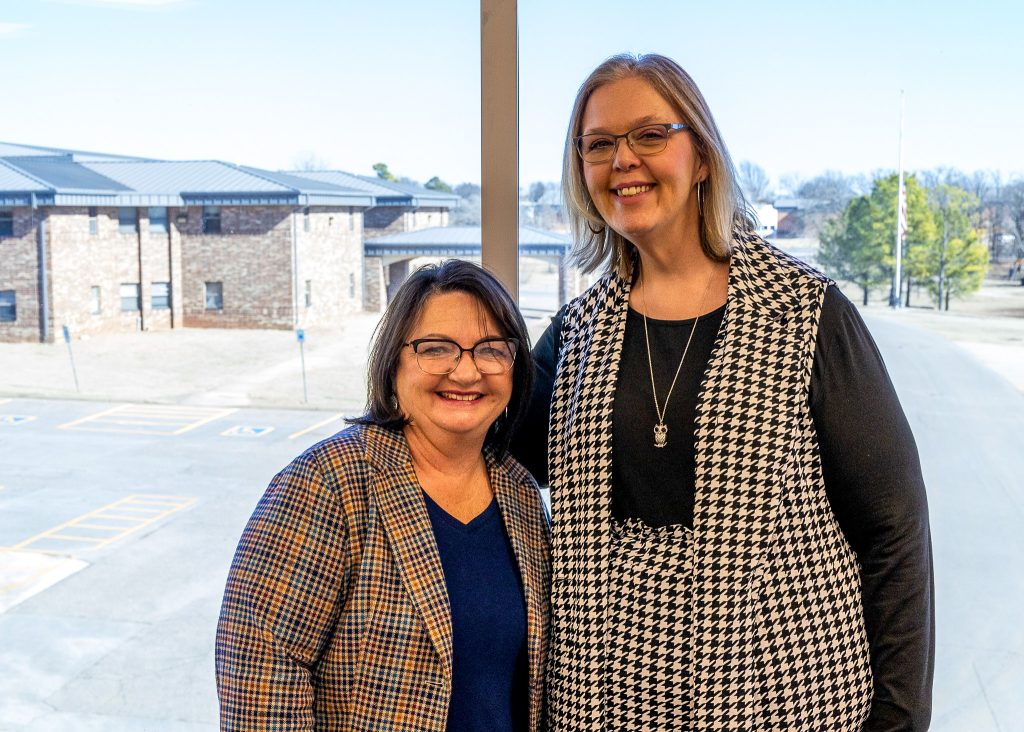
(305, 219)
(95, 304)
(130, 302)
(158, 219)
(211, 220)
(214, 296)
(352, 285)
(127, 220)
(351, 218)
(6, 222)
(94, 226)
(8, 306)
(309, 293)
(160, 294)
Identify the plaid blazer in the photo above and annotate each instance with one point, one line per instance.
(336, 616)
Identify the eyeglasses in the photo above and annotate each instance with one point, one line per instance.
(646, 140)
(439, 356)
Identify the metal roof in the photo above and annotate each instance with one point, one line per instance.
(10, 149)
(61, 173)
(57, 177)
(16, 180)
(460, 241)
(385, 193)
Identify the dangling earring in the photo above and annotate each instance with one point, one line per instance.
(394, 402)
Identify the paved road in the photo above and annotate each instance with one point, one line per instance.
(969, 425)
(150, 517)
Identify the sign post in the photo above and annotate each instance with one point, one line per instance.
(71, 355)
(300, 336)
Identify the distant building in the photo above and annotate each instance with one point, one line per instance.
(103, 242)
(388, 258)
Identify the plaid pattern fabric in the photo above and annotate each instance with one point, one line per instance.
(336, 616)
(776, 623)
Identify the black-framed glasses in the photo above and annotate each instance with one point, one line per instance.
(645, 140)
(440, 356)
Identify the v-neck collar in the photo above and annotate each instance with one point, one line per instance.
(439, 514)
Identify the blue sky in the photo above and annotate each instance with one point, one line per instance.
(796, 87)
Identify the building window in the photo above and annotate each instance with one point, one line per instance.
(160, 292)
(351, 219)
(352, 285)
(214, 296)
(211, 220)
(8, 306)
(6, 222)
(130, 297)
(95, 304)
(305, 219)
(94, 225)
(309, 293)
(127, 220)
(157, 220)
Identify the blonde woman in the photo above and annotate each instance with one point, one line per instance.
(740, 524)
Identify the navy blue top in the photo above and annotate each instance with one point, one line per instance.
(485, 592)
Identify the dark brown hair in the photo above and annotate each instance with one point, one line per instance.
(452, 275)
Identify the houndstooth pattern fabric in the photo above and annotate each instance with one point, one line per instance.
(647, 676)
(776, 625)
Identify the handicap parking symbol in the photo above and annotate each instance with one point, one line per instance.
(246, 431)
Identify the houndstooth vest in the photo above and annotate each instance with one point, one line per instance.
(777, 629)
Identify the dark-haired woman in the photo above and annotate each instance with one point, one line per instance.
(395, 576)
(740, 531)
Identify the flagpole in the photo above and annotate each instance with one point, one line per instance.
(897, 286)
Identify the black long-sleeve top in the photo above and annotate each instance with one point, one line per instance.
(869, 460)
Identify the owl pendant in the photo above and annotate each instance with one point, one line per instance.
(660, 434)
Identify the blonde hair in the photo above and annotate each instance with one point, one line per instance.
(722, 205)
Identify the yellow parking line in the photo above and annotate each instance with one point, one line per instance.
(99, 527)
(112, 410)
(139, 522)
(200, 423)
(333, 418)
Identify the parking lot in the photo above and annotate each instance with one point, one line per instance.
(118, 523)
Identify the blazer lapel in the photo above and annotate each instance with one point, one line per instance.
(407, 524)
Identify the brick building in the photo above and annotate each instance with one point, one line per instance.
(110, 243)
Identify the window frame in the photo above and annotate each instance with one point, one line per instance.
(6, 224)
(161, 302)
(212, 220)
(95, 300)
(125, 226)
(136, 297)
(216, 288)
(158, 224)
(8, 306)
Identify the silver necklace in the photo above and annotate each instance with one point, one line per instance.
(660, 428)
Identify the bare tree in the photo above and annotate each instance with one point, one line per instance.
(755, 182)
(308, 161)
